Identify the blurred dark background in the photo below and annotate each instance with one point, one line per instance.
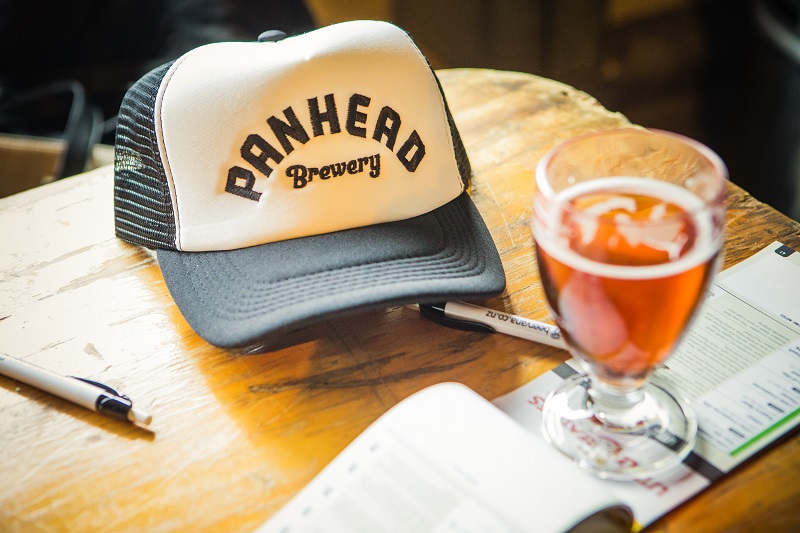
(726, 72)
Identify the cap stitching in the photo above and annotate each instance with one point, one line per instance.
(472, 264)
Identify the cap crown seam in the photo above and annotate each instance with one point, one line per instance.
(162, 148)
(442, 104)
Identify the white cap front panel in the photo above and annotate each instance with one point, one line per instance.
(339, 128)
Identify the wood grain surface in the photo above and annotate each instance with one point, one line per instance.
(237, 433)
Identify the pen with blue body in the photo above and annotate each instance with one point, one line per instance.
(470, 317)
(86, 393)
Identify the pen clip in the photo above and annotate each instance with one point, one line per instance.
(103, 386)
(435, 312)
(116, 404)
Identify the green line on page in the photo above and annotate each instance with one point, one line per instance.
(773, 427)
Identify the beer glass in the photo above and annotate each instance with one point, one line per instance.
(628, 226)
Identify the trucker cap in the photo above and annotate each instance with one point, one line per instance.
(285, 181)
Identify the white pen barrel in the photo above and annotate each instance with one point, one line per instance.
(71, 389)
(514, 325)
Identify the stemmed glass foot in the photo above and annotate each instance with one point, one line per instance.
(618, 434)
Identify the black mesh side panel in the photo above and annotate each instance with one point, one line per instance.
(143, 211)
(464, 167)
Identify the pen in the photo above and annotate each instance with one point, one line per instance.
(86, 393)
(470, 317)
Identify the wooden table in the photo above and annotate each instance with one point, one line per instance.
(235, 435)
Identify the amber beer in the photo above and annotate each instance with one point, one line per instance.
(625, 263)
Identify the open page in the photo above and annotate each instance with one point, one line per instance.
(739, 365)
(446, 460)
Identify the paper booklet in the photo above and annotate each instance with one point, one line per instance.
(447, 460)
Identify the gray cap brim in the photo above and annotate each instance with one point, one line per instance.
(247, 296)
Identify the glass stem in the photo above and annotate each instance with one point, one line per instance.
(623, 408)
